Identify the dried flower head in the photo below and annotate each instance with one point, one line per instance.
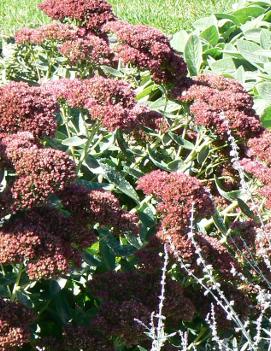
(110, 101)
(148, 48)
(47, 240)
(91, 14)
(212, 96)
(49, 32)
(128, 295)
(176, 192)
(260, 148)
(257, 169)
(85, 339)
(28, 109)
(92, 49)
(98, 206)
(15, 320)
(41, 173)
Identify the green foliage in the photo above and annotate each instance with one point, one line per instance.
(237, 45)
(168, 15)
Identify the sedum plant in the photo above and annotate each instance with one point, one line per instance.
(110, 152)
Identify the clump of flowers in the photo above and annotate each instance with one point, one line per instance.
(176, 192)
(128, 295)
(258, 163)
(40, 172)
(110, 101)
(214, 99)
(91, 14)
(44, 238)
(15, 321)
(94, 206)
(49, 32)
(259, 148)
(26, 108)
(91, 48)
(148, 48)
(85, 339)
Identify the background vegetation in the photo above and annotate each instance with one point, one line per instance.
(167, 15)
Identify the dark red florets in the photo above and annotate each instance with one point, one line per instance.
(217, 100)
(92, 49)
(176, 192)
(74, 91)
(25, 108)
(257, 169)
(110, 101)
(148, 48)
(15, 320)
(260, 148)
(40, 172)
(128, 295)
(84, 339)
(91, 14)
(48, 240)
(53, 32)
(98, 206)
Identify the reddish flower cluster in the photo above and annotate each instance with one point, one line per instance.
(73, 91)
(216, 99)
(40, 172)
(91, 48)
(76, 44)
(262, 173)
(150, 49)
(91, 14)
(259, 163)
(128, 295)
(176, 193)
(52, 31)
(46, 239)
(94, 206)
(110, 101)
(25, 108)
(15, 320)
(257, 169)
(260, 148)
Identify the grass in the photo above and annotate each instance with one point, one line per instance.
(167, 15)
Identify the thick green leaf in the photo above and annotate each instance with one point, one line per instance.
(245, 209)
(265, 39)
(193, 54)
(179, 40)
(181, 141)
(223, 66)
(230, 195)
(249, 50)
(74, 141)
(211, 35)
(247, 13)
(113, 176)
(219, 223)
(266, 118)
(108, 257)
(203, 154)
(205, 22)
(119, 181)
(264, 90)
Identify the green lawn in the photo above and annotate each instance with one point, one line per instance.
(168, 15)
